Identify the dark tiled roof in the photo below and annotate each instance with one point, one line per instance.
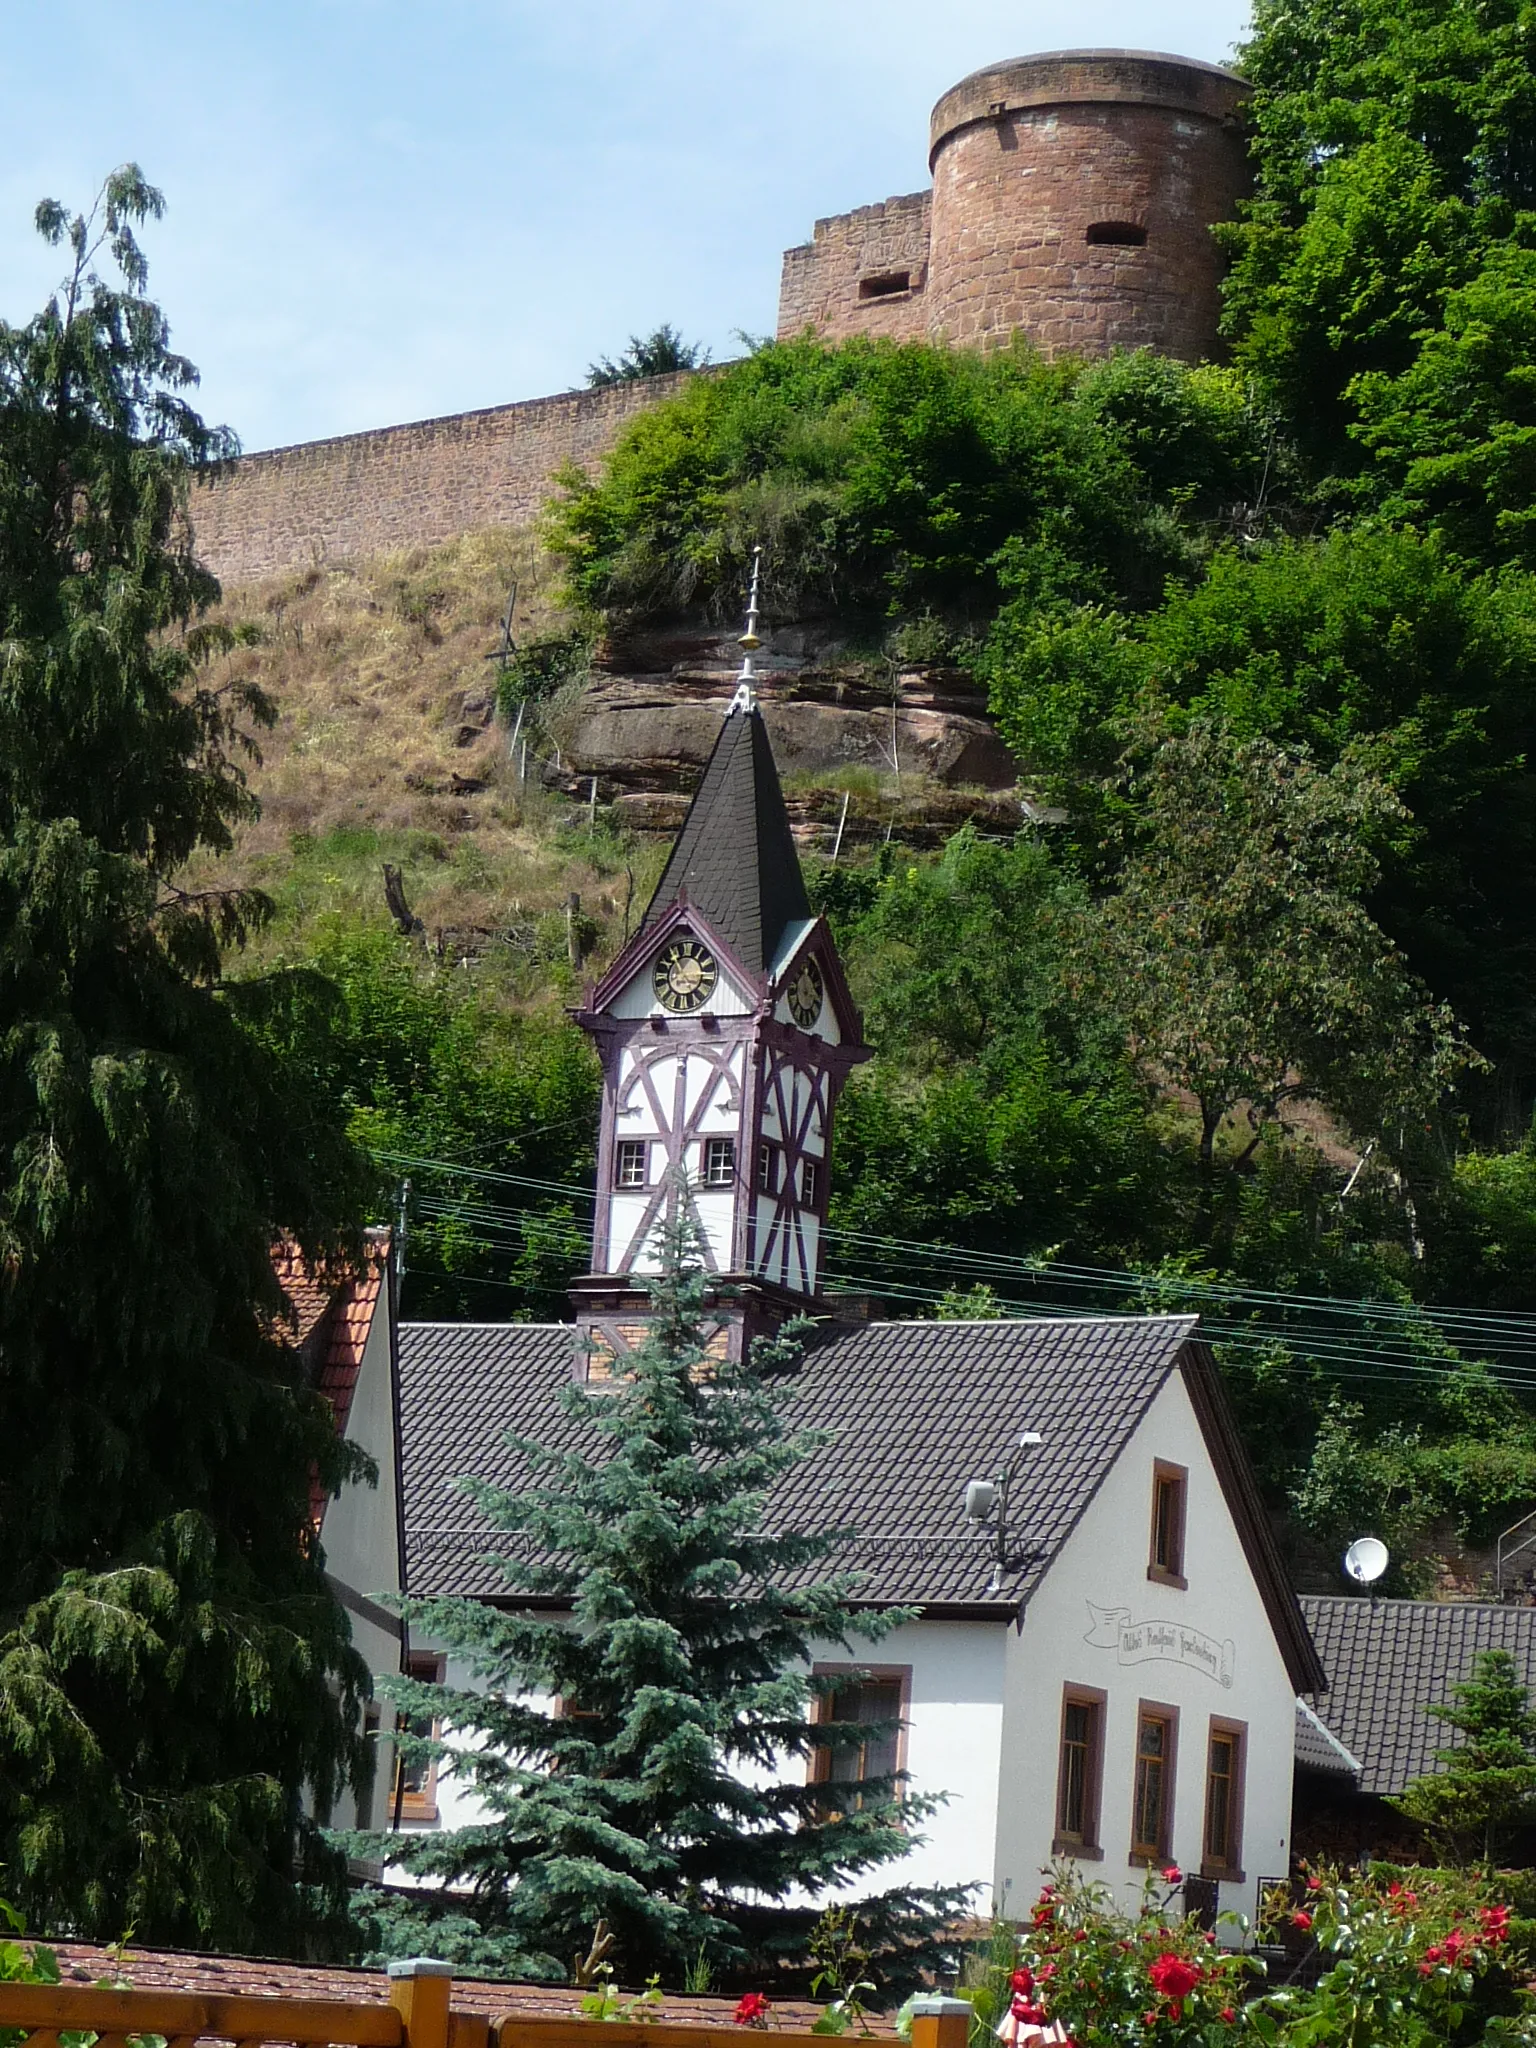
(914, 1410)
(1388, 1660)
(735, 858)
(1317, 1749)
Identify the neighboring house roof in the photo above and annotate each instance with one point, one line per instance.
(1318, 1749)
(912, 1411)
(1388, 1661)
(734, 859)
(163, 1969)
(333, 1318)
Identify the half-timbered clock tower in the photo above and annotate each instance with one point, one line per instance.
(726, 1032)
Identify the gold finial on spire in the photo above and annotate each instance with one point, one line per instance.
(745, 698)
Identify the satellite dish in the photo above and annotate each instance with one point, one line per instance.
(1366, 1559)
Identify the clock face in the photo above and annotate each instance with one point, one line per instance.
(684, 976)
(805, 993)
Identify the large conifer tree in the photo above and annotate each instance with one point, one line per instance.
(173, 1670)
(631, 1753)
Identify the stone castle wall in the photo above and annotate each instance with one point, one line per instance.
(401, 487)
(862, 273)
(1073, 200)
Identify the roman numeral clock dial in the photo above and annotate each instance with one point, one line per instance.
(684, 977)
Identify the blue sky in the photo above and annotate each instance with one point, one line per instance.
(379, 211)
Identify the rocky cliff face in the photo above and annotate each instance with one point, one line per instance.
(649, 715)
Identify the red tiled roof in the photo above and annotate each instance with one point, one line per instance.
(333, 1319)
(151, 1969)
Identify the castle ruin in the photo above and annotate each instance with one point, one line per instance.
(1073, 199)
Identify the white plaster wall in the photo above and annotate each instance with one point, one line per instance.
(1105, 1562)
(953, 1745)
(360, 1533)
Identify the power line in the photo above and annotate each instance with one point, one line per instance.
(1505, 1329)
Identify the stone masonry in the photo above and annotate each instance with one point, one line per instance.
(1073, 199)
(403, 487)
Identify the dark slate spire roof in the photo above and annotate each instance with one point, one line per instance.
(735, 858)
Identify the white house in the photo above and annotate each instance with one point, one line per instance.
(1108, 1652)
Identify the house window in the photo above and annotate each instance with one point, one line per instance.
(1122, 234)
(886, 285)
(719, 1162)
(809, 1182)
(767, 1168)
(1170, 1486)
(1223, 1848)
(1152, 1801)
(629, 1163)
(1080, 1772)
(416, 1776)
(877, 1701)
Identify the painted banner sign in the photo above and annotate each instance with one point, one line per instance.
(1165, 1642)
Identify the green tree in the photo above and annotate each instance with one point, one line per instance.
(1243, 960)
(174, 1671)
(1392, 144)
(1364, 640)
(434, 1076)
(629, 1759)
(1487, 1788)
(651, 355)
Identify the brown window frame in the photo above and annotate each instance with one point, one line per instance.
(1087, 1846)
(819, 1763)
(767, 1167)
(1143, 1853)
(421, 1804)
(1165, 1474)
(626, 1151)
(712, 1151)
(1229, 1871)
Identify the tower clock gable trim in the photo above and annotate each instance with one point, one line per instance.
(811, 942)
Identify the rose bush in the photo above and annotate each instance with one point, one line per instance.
(1412, 1960)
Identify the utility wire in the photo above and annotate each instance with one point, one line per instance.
(1510, 1331)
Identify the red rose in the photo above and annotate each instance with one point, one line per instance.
(1434, 1955)
(1174, 1977)
(1228, 2014)
(1172, 1874)
(1314, 1884)
(1024, 1979)
(751, 2009)
(1302, 1920)
(1495, 1921)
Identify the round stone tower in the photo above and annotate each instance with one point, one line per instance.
(1073, 199)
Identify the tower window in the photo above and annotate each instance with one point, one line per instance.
(1120, 234)
(886, 285)
(719, 1162)
(767, 1168)
(629, 1163)
(810, 1180)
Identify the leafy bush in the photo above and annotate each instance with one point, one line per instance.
(884, 478)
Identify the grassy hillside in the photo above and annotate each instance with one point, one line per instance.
(375, 757)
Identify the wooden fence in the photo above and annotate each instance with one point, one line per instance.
(420, 2014)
